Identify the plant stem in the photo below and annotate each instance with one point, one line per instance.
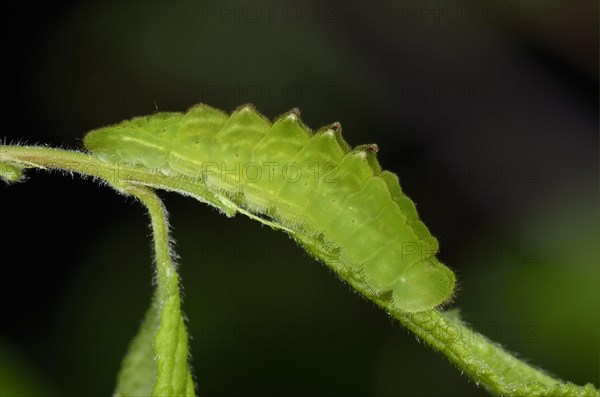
(485, 362)
(171, 341)
(163, 326)
(119, 175)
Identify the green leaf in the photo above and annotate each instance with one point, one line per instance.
(138, 370)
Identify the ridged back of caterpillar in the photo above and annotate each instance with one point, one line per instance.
(313, 183)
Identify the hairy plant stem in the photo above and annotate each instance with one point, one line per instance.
(484, 361)
(487, 363)
(173, 376)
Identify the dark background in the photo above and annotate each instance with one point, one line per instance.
(488, 112)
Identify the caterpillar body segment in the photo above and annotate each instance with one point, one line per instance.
(335, 201)
(194, 138)
(284, 140)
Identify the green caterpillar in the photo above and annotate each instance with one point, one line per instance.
(335, 201)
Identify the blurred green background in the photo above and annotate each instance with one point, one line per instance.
(488, 112)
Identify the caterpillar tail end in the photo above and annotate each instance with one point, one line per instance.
(424, 286)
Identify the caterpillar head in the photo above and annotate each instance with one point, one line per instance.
(141, 140)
